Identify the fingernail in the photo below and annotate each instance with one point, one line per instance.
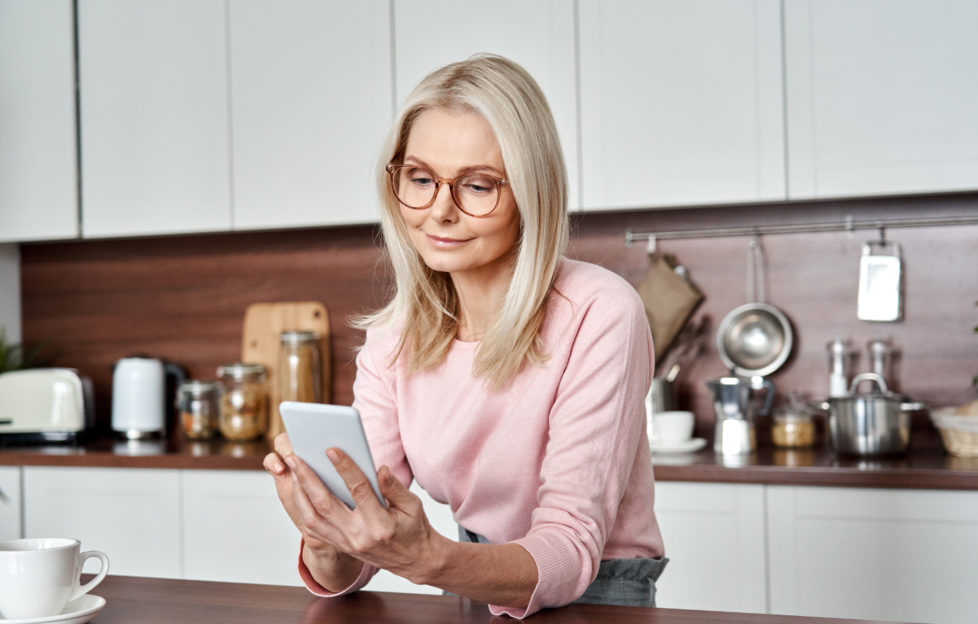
(333, 455)
(291, 462)
(277, 468)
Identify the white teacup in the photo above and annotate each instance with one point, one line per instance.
(39, 576)
(672, 427)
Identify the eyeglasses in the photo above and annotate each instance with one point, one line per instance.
(475, 194)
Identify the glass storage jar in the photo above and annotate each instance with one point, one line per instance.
(793, 428)
(299, 373)
(244, 402)
(198, 402)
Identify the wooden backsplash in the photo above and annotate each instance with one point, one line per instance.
(183, 298)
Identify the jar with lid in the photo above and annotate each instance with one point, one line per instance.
(793, 425)
(244, 402)
(198, 402)
(299, 372)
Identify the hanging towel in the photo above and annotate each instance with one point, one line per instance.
(669, 302)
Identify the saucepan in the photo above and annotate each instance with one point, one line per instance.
(869, 423)
(754, 339)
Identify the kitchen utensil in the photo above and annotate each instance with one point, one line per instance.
(672, 427)
(735, 404)
(959, 430)
(881, 352)
(686, 347)
(869, 423)
(840, 360)
(140, 401)
(42, 405)
(669, 299)
(879, 282)
(261, 343)
(755, 338)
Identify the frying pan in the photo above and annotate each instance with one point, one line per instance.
(756, 338)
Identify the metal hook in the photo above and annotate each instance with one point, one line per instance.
(650, 244)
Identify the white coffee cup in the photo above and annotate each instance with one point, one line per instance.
(39, 576)
(672, 427)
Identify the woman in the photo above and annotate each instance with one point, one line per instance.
(507, 380)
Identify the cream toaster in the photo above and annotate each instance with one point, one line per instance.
(42, 405)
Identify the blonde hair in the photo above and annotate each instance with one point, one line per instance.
(425, 302)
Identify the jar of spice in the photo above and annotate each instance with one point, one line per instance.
(244, 402)
(793, 425)
(299, 372)
(198, 402)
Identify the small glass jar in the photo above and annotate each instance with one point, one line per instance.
(198, 402)
(244, 402)
(793, 429)
(299, 372)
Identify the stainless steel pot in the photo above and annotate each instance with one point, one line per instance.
(871, 423)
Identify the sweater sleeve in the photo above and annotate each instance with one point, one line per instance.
(595, 428)
(373, 392)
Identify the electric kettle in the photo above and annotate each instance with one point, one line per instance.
(141, 403)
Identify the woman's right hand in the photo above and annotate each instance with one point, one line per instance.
(314, 549)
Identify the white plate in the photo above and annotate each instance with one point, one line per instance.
(78, 611)
(687, 446)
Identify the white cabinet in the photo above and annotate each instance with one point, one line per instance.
(715, 540)
(10, 505)
(38, 164)
(131, 514)
(538, 35)
(310, 99)
(905, 555)
(680, 102)
(882, 96)
(236, 530)
(154, 117)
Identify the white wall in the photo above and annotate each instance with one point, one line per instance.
(10, 291)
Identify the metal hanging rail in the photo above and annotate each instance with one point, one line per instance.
(840, 226)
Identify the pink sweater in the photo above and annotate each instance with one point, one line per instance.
(557, 462)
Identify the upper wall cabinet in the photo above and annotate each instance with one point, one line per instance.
(537, 35)
(38, 164)
(310, 101)
(681, 102)
(154, 117)
(882, 96)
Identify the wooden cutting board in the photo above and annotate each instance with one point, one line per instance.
(263, 323)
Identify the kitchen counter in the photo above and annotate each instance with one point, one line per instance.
(149, 600)
(926, 465)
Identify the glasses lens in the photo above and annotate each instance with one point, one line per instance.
(476, 194)
(413, 186)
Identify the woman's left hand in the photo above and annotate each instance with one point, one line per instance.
(397, 538)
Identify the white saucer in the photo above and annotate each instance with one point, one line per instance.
(686, 446)
(78, 611)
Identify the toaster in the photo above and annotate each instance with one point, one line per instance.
(42, 405)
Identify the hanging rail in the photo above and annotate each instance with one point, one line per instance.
(847, 225)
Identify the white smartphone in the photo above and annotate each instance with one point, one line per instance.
(315, 427)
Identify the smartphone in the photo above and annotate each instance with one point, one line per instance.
(315, 427)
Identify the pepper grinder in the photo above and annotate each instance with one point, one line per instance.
(840, 360)
(881, 357)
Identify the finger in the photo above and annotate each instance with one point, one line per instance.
(282, 445)
(393, 490)
(273, 464)
(357, 482)
(313, 489)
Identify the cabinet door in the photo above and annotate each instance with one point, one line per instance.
(881, 96)
(538, 35)
(905, 555)
(130, 514)
(10, 503)
(236, 530)
(714, 538)
(311, 93)
(38, 164)
(154, 117)
(681, 102)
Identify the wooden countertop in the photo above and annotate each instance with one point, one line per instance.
(926, 465)
(133, 600)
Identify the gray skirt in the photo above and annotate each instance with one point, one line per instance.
(622, 582)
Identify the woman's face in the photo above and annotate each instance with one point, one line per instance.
(447, 142)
